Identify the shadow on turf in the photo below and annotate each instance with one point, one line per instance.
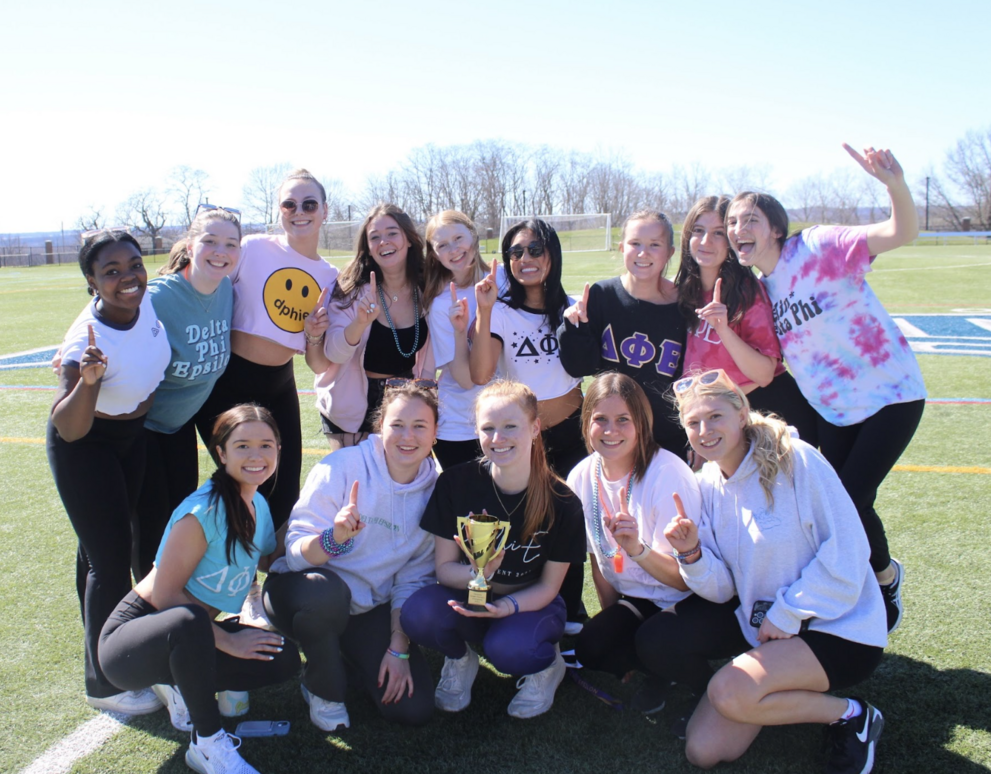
(923, 709)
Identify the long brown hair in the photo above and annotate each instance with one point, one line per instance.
(240, 522)
(437, 277)
(359, 271)
(540, 494)
(179, 255)
(740, 287)
(622, 386)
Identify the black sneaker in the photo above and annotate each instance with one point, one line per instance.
(852, 742)
(650, 696)
(892, 595)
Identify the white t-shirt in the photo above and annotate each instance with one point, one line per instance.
(652, 506)
(457, 422)
(137, 355)
(530, 351)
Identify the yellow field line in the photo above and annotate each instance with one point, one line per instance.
(973, 470)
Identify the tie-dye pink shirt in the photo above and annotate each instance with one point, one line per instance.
(846, 353)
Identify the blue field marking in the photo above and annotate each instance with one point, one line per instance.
(948, 334)
(32, 358)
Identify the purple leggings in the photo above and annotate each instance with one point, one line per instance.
(520, 644)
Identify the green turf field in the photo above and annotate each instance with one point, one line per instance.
(930, 685)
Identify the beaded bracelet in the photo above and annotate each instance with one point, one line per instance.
(516, 605)
(313, 340)
(331, 547)
(397, 654)
(688, 554)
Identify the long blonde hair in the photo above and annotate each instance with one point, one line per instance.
(540, 492)
(436, 276)
(767, 435)
(179, 255)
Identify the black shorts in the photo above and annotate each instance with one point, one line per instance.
(845, 662)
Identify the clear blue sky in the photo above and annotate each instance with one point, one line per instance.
(102, 98)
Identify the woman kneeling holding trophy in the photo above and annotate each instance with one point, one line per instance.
(354, 554)
(507, 529)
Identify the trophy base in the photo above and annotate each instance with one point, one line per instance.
(477, 599)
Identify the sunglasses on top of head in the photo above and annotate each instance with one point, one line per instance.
(208, 206)
(308, 206)
(515, 253)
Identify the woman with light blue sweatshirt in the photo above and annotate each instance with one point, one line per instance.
(779, 564)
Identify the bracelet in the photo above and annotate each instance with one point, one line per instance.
(643, 554)
(688, 554)
(397, 654)
(331, 547)
(401, 634)
(313, 340)
(516, 605)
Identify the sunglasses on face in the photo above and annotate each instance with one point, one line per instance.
(308, 206)
(708, 377)
(515, 253)
(399, 381)
(207, 206)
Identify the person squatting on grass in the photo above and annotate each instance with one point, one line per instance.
(631, 324)
(520, 629)
(164, 631)
(354, 555)
(848, 356)
(625, 486)
(452, 269)
(783, 586)
(730, 324)
(377, 327)
(112, 359)
(515, 334)
(194, 300)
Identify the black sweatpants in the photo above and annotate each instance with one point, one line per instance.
(273, 387)
(607, 642)
(98, 478)
(863, 455)
(312, 607)
(142, 646)
(783, 397)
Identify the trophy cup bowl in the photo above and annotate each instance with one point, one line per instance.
(482, 537)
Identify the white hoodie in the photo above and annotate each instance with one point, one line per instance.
(392, 556)
(807, 554)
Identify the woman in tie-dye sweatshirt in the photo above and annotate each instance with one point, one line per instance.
(849, 358)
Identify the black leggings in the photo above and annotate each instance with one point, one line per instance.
(451, 453)
(607, 642)
(273, 387)
(312, 607)
(98, 478)
(171, 475)
(783, 397)
(678, 644)
(142, 646)
(863, 455)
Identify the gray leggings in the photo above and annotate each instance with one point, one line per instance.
(312, 607)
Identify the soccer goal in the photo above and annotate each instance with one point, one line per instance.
(339, 236)
(578, 233)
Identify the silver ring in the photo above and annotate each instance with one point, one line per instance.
(371, 307)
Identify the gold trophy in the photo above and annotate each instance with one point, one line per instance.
(482, 537)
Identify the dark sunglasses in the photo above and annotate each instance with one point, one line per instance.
(308, 206)
(399, 381)
(515, 253)
(207, 206)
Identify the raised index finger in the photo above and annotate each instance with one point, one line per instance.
(371, 285)
(717, 291)
(585, 295)
(353, 499)
(856, 156)
(454, 294)
(92, 336)
(679, 506)
(492, 274)
(322, 300)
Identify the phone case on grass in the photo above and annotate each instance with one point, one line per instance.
(262, 728)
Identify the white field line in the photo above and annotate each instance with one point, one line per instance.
(61, 756)
(931, 268)
(908, 330)
(980, 323)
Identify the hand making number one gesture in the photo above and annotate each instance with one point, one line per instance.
(458, 311)
(880, 164)
(578, 311)
(368, 308)
(347, 522)
(93, 365)
(681, 532)
(715, 313)
(316, 323)
(487, 291)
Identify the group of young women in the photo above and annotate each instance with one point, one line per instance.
(758, 557)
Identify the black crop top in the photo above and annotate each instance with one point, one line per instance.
(381, 355)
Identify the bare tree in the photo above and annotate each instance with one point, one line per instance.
(188, 189)
(968, 168)
(145, 212)
(92, 219)
(691, 183)
(803, 196)
(261, 192)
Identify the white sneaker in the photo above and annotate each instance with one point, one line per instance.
(536, 694)
(176, 705)
(253, 610)
(233, 704)
(457, 676)
(140, 702)
(326, 715)
(217, 754)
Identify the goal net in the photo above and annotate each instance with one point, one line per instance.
(339, 236)
(578, 233)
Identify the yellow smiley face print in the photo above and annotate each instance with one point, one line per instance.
(289, 298)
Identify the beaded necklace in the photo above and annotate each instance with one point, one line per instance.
(392, 325)
(597, 501)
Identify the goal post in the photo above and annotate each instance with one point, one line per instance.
(578, 233)
(340, 236)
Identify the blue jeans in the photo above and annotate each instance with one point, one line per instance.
(520, 644)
